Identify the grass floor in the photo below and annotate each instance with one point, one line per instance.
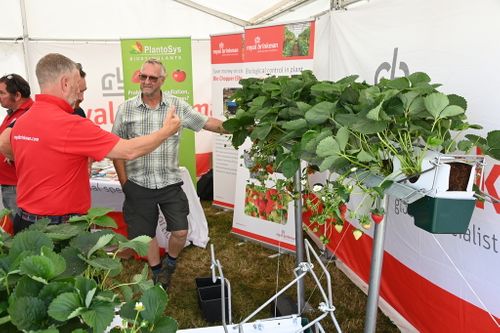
(255, 274)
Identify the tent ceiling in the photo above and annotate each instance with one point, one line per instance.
(257, 12)
(115, 19)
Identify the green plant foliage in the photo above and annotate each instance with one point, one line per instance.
(61, 278)
(338, 126)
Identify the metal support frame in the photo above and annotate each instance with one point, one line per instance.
(299, 236)
(376, 268)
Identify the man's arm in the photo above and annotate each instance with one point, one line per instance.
(142, 145)
(5, 146)
(215, 125)
(120, 171)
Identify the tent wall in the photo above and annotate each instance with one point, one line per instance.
(440, 283)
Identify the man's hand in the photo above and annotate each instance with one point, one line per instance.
(172, 123)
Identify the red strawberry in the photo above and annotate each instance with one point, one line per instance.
(377, 218)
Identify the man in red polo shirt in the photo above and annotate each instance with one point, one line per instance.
(51, 147)
(15, 97)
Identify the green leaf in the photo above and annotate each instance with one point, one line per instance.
(373, 114)
(42, 267)
(303, 107)
(27, 313)
(295, 124)
(418, 78)
(74, 264)
(105, 263)
(85, 241)
(239, 138)
(457, 100)
(327, 147)
(342, 137)
(64, 306)
(319, 113)
(101, 242)
(98, 211)
(139, 244)
(31, 241)
(165, 325)
(364, 156)
(289, 167)
(84, 285)
(451, 111)
(53, 289)
(155, 301)
(434, 141)
(398, 83)
(127, 292)
(327, 163)
(27, 287)
(417, 106)
(435, 103)
(105, 222)
(99, 316)
(89, 297)
(368, 126)
(260, 132)
(64, 231)
(231, 125)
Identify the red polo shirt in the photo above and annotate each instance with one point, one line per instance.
(51, 149)
(7, 170)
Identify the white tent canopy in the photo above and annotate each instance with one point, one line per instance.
(115, 19)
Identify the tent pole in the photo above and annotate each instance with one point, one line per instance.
(22, 4)
(299, 237)
(376, 268)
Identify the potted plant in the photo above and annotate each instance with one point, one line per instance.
(387, 129)
(62, 278)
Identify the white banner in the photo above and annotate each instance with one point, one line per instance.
(454, 44)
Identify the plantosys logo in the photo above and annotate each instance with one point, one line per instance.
(138, 48)
(386, 67)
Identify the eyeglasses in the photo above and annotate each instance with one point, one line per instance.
(152, 79)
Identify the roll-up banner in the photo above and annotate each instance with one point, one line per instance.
(285, 49)
(175, 54)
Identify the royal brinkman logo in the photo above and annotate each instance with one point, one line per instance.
(139, 48)
(225, 50)
(260, 46)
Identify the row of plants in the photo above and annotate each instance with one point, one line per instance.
(351, 129)
(63, 278)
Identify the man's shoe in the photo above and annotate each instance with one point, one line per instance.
(164, 276)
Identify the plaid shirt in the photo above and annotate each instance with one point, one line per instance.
(160, 167)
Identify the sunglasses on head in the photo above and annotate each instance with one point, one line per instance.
(153, 79)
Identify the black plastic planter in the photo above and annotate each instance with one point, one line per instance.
(442, 215)
(209, 299)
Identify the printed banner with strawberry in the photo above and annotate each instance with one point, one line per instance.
(175, 54)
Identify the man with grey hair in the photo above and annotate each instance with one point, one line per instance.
(154, 180)
(51, 147)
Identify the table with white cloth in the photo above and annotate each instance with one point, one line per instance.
(107, 192)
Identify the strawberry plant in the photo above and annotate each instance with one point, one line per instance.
(348, 125)
(61, 278)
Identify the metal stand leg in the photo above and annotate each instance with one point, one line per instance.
(299, 238)
(376, 269)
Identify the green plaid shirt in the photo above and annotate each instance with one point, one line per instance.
(160, 167)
